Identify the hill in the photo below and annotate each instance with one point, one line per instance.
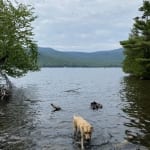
(49, 57)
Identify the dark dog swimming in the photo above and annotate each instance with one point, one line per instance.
(96, 106)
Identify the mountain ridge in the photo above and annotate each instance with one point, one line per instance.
(49, 57)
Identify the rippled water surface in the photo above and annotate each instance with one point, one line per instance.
(27, 121)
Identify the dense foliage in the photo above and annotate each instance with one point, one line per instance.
(18, 50)
(137, 47)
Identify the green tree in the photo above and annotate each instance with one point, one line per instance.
(137, 47)
(18, 50)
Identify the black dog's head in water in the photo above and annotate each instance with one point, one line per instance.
(96, 106)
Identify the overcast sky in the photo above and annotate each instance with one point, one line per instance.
(83, 25)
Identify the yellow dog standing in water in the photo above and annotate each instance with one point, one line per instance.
(85, 129)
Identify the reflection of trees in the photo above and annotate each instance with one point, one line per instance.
(16, 120)
(136, 99)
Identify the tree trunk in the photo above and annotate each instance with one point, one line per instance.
(5, 86)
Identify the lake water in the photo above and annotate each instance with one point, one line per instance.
(27, 121)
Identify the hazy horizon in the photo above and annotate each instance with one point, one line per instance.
(82, 51)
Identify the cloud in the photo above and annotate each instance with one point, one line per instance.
(87, 25)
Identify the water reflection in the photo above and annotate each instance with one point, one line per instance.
(16, 120)
(27, 123)
(135, 95)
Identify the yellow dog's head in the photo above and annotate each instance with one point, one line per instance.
(87, 132)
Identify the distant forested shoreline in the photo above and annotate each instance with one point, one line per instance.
(49, 57)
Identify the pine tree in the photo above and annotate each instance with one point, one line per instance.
(18, 50)
(137, 47)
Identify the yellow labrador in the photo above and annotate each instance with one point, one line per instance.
(82, 127)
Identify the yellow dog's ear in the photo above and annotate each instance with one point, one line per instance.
(82, 128)
(92, 129)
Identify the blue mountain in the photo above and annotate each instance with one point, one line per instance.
(49, 57)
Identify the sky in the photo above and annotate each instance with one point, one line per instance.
(83, 25)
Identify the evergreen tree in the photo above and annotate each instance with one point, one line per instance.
(137, 47)
(18, 50)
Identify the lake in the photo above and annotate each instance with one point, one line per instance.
(27, 120)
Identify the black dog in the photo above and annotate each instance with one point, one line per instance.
(96, 106)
